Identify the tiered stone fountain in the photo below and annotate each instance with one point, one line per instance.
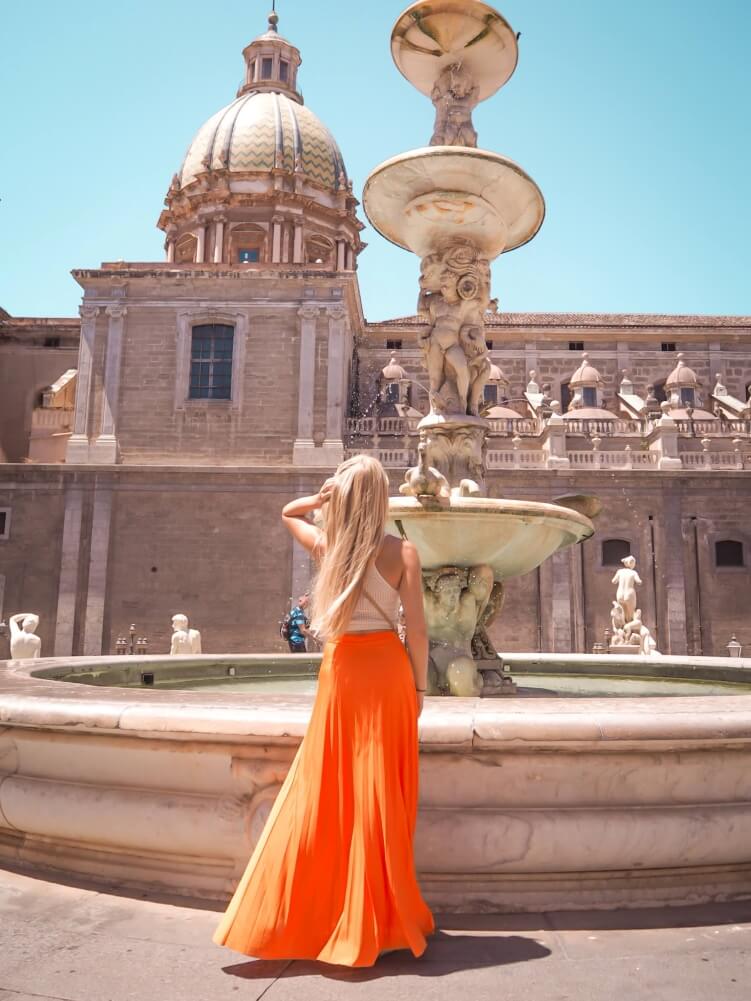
(459, 207)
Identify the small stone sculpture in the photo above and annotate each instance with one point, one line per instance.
(482, 646)
(24, 644)
(184, 640)
(455, 95)
(636, 629)
(455, 601)
(424, 480)
(627, 579)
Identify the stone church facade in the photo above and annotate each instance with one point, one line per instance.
(148, 445)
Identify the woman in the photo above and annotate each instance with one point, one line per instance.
(332, 876)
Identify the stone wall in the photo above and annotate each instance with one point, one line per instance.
(101, 548)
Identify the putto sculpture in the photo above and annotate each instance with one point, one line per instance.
(24, 644)
(627, 628)
(455, 95)
(184, 639)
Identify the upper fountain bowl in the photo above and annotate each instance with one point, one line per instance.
(513, 537)
(429, 36)
(421, 198)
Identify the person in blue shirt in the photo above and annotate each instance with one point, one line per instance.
(297, 625)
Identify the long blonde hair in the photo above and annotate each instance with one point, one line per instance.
(354, 522)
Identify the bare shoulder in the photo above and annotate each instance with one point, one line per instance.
(409, 555)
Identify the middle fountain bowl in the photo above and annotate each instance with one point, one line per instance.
(425, 196)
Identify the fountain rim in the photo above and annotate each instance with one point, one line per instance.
(37, 703)
(490, 506)
(446, 59)
(423, 152)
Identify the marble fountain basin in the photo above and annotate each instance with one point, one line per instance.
(525, 804)
(511, 536)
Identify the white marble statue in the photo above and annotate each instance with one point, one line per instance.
(627, 579)
(636, 630)
(24, 644)
(184, 639)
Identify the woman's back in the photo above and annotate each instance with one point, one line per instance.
(378, 605)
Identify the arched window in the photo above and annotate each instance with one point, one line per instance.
(319, 251)
(613, 551)
(185, 249)
(728, 553)
(211, 362)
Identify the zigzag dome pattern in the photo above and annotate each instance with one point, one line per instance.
(261, 132)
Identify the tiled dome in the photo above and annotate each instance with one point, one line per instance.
(258, 132)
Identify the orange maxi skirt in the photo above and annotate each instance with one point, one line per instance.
(332, 877)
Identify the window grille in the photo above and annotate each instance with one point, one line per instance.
(211, 362)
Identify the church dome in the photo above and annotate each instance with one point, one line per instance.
(263, 182)
(682, 375)
(261, 132)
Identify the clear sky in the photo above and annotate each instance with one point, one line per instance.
(632, 117)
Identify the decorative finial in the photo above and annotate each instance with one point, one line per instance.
(273, 17)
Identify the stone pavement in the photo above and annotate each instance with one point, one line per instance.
(71, 943)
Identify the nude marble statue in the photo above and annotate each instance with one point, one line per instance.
(184, 639)
(24, 644)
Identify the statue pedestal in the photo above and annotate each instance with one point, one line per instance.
(456, 446)
(625, 648)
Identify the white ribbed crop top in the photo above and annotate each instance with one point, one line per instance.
(366, 617)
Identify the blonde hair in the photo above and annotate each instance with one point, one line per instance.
(354, 522)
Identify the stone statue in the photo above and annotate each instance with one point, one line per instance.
(424, 480)
(617, 622)
(482, 647)
(454, 296)
(635, 629)
(627, 579)
(24, 644)
(455, 95)
(184, 640)
(455, 600)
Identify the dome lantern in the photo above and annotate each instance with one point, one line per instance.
(271, 64)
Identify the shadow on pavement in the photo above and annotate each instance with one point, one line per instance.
(445, 954)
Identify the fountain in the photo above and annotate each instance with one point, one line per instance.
(630, 787)
(458, 207)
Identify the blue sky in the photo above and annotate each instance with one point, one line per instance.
(632, 117)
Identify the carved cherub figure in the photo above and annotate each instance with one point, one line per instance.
(423, 479)
(454, 295)
(455, 95)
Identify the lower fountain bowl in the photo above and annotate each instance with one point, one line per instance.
(512, 537)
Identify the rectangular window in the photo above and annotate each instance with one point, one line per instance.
(52, 342)
(4, 522)
(249, 255)
(393, 345)
(576, 345)
(283, 70)
(668, 346)
(266, 65)
(392, 392)
(211, 362)
(491, 393)
(688, 396)
(488, 344)
(589, 396)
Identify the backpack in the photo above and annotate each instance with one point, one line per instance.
(284, 627)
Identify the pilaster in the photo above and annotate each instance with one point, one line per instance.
(67, 588)
(97, 589)
(304, 447)
(105, 449)
(78, 443)
(335, 382)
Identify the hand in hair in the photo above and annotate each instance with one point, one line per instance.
(324, 494)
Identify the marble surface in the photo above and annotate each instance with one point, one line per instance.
(562, 802)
